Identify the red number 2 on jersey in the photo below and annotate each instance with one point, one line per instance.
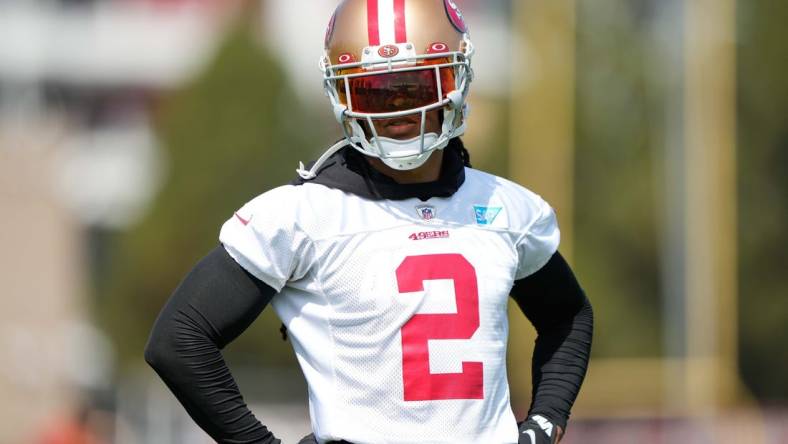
(419, 383)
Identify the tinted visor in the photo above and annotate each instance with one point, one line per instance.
(396, 91)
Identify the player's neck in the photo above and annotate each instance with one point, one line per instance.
(429, 172)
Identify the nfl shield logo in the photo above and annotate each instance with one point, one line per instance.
(426, 212)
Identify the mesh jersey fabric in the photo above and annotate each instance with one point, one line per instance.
(365, 295)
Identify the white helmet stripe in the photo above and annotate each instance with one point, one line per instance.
(386, 18)
(386, 22)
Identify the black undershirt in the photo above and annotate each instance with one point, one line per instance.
(558, 308)
(348, 170)
(218, 300)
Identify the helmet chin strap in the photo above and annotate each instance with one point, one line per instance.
(407, 154)
(412, 153)
(312, 173)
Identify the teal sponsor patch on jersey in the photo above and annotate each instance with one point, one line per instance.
(486, 215)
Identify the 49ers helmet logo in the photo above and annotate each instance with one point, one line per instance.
(388, 51)
(455, 16)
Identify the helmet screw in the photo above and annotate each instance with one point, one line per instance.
(409, 46)
(366, 51)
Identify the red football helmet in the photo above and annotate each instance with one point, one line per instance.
(392, 58)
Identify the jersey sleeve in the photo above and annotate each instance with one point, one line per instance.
(265, 238)
(539, 240)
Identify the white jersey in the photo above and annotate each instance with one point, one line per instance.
(397, 309)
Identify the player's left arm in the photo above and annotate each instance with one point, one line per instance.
(553, 301)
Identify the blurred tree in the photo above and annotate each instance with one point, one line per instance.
(763, 188)
(233, 133)
(616, 195)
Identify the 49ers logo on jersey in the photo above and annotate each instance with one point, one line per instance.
(388, 51)
(425, 235)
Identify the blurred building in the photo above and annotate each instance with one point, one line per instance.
(77, 153)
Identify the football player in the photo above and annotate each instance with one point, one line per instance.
(390, 261)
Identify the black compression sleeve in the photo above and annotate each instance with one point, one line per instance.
(214, 304)
(555, 304)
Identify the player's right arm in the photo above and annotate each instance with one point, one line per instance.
(214, 304)
(261, 250)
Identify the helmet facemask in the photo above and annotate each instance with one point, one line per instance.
(404, 86)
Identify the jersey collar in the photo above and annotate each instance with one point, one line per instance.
(349, 171)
